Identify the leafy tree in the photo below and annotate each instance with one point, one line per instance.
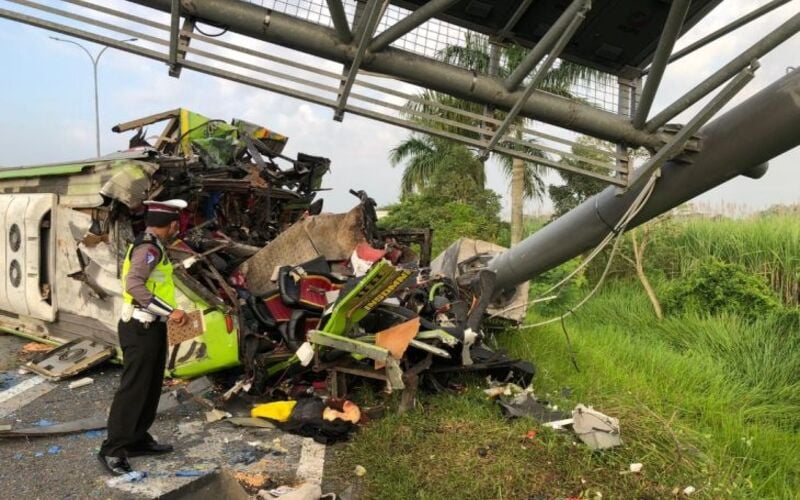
(477, 54)
(577, 187)
(429, 156)
(453, 205)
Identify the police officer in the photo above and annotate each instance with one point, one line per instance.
(149, 299)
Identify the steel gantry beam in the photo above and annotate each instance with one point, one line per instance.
(373, 14)
(512, 22)
(183, 43)
(407, 24)
(702, 89)
(174, 33)
(742, 21)
(721, 159)
(340, 23)
(671, 32)
(540, 50)
(563, 38)
(288, 31)
(293, 90)
(678, 141)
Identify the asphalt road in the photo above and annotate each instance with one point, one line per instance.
(62, 467)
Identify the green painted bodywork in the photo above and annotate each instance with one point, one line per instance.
(43, 170)
(221, 346)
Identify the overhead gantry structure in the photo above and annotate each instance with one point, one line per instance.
(343, 52)
(621, 41)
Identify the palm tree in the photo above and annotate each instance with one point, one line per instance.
(477, 54)
(427, 154)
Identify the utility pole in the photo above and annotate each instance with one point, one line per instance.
(94, 60)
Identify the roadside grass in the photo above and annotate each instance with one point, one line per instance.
(766, 245)
(709, 402)
(730, 389)
(459, 446)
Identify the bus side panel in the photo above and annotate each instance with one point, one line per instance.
(15, 254)
(40, 252)
(5, 304)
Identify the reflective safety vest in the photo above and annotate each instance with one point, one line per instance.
(160, 281)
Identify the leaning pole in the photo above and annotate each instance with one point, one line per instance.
(740, 142)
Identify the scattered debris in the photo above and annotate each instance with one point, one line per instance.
(277, 411)
(251, 422)
(306, 491)
(350, 412)
(130, 477)
(559, 425)
(216, 415)
(47, 428)
(303, 301)
(246, 457)
(360, 471)
(251, 480)
(71, 358)
(689, 490)
(36, 347)
(275, 492)
(54, 450)
(190, 473)
(277, 447)
(81, 383)
(596, 429)
(636, 468)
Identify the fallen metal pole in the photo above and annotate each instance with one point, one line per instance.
(407, 24)
(732, 146)
(769, 42)
(745, 19)
(672, 29)
(541, 72)
(288, 31)
(676, 144)
(537, 53)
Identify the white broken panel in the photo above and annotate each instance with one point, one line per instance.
(596, 429)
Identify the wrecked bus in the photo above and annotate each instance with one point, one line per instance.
(278, 283)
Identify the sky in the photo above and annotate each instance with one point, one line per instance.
(47, 108)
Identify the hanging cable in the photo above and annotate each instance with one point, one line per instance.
(222, 29)
(631, 212)
(629, 215)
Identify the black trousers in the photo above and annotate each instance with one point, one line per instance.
(144, 352)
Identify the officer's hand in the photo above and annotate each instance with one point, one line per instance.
(178, 316)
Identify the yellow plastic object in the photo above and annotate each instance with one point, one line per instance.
(279, 411)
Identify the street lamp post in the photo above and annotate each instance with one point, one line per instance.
(94, 60)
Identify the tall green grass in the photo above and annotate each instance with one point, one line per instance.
(768, 246)
(727, 389)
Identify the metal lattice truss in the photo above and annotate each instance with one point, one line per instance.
(351, 47)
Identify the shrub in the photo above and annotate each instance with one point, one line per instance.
(714, 286)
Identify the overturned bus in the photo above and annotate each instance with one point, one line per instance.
(278, 284)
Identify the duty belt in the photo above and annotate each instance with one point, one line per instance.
(146, 317)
